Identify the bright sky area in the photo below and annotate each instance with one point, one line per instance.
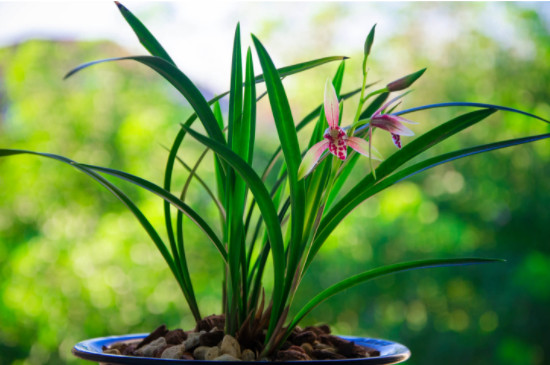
(200, 32)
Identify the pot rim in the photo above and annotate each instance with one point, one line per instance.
(390, 353)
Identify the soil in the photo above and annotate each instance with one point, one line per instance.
(208, 342)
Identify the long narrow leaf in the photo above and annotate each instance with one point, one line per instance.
(144, 35)
(181, 82)
(476, 105)
(288, 138)
(303, 66)
(235, 192)
(447, 157)
(265, 205)
(157, 190)
(249, 107)
(132, 207)
(376, 273)
(354, 197)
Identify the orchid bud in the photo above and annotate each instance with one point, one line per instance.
(405, 81)
(369, 41)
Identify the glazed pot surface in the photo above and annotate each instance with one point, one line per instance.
(390, 353)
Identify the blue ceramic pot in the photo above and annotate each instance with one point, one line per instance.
(390, 353)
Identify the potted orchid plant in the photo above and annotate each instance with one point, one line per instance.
(280, 215)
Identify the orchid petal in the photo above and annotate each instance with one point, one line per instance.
(311, 158)
(361, 146)
(385, 106)
(338, 148)
(403, 120)
(391, 124)
(396, 140)
(332, 110)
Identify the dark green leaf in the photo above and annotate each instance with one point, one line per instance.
(303, 66)
(181, 82)
(288, 138)
(133, 208)
(376, 273)
(269, 213)
(476, 105)
(145, 37)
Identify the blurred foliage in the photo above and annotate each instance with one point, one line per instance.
(74, 264)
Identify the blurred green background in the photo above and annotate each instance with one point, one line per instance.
(74, 263)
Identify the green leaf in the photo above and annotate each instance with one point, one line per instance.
(264, 202)
(207, 189)
(249, 109)
(450, 156)
(357, 194)
(181, 82)
(235, 193)
(236, 96)
(218, 168)
(133, 208)
(374, 106)
(157, 190)
(376, 273)
(166, 195)
(145, 37)
(303, 66)
(288, 138)
(476, 105)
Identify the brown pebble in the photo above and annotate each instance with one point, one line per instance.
(325, 339)
(370, 351)
(158, 352)
(346, 348)
(192, 340)
(187, 356)
(248, 355)
(296, 348)
(230, 346)
(307, 348)
(326, 355)
(200, 352)
(209, 322)
(175, 337)
(319, 330)
(322, 346)
(212, 353)
(122, 347)
(291, 355)
(211, 338)
(129, 350)
(159, 332)
(306, 336)
(173, 352)
(152, 348)
(337, 341)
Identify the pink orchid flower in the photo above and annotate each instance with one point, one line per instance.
(335, 139)
(391, 123)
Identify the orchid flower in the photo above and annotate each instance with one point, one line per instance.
(335, 139)
(391, 123)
